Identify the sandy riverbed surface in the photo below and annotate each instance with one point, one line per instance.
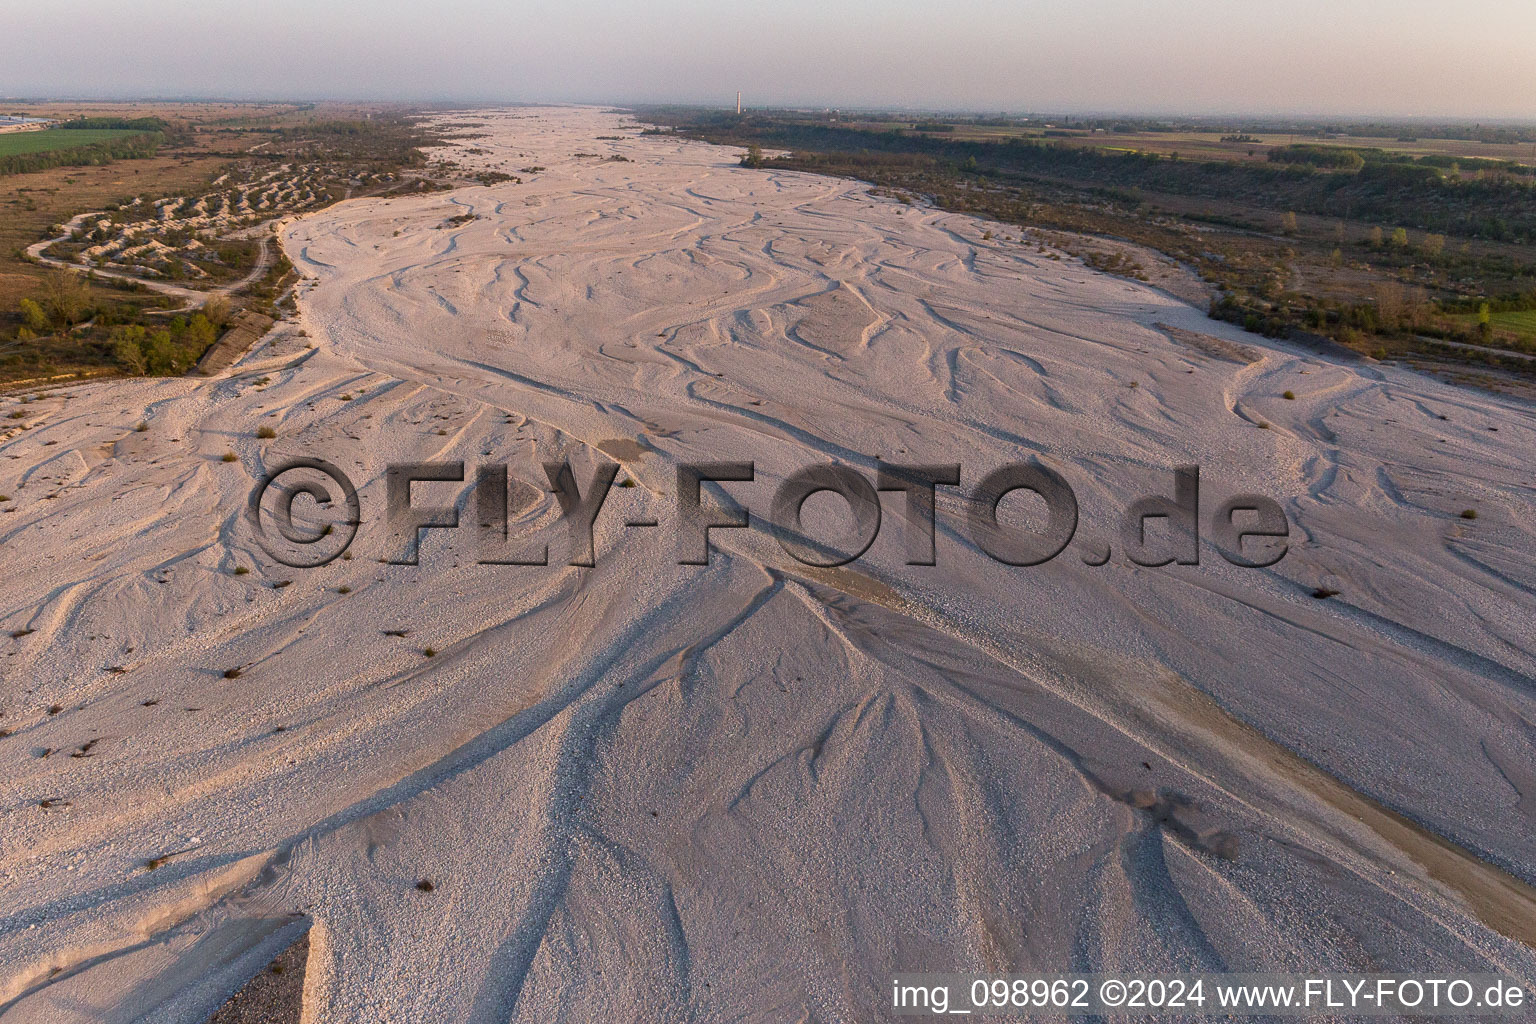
(752, 790)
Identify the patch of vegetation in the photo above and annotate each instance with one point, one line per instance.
(1318, 156)
(1116, 263)
(65, 318)
(162, 352)
(136, 124)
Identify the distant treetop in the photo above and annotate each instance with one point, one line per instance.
(142, 124)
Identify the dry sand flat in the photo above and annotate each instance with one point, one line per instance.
(749, 790)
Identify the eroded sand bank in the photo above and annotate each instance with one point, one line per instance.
(749, 790)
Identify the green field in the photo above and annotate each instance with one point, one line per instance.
(18, 143)
(1521, 322)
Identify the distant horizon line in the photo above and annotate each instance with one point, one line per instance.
(1108, 112)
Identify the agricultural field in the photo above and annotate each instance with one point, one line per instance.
(50, 139)
(1523, 321)
(1516, 328)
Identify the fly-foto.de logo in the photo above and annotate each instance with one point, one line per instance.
(1248, 530)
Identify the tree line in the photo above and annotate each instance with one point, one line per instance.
(137, 124)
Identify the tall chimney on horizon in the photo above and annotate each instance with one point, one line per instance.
(738, 102)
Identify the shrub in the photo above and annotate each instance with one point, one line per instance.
(216, 311)
(128, 355)
(33, 316)
(164, 357)
(266, 433)
(65, 298)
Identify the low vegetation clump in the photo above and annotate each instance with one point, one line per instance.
(162, 352)
(1116, 262)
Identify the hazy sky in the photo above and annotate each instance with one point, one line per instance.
(1474, 58)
